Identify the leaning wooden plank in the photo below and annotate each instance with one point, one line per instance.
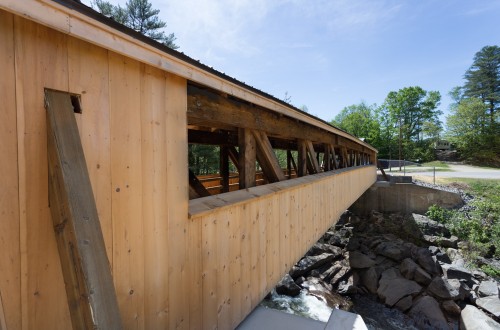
(3, 323)
(197, 186)
(267, 157)
(312, 156)
(234, 156)
(334, 157)
(87, 274)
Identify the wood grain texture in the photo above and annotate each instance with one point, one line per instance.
(89, 285)
(10, 263)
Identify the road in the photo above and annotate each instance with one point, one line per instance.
(455, 171)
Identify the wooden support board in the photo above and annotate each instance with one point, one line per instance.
(247, 158)
(312, 157)
(267, 158)
(302, 158)
(197, 186)
(89, 284)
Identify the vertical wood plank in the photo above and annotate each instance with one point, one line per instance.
(235, 266)
(209, 257)
(154, 187)
(10, 265)
(223, 277)
(302, 158)
(41, 61)
(195, 276)
(88, 76)
(224, 168)
(126, 180)
(246, 260)
(179, 251)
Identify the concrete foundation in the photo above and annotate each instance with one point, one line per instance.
(403, 198)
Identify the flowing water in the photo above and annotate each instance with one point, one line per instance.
(375, 314)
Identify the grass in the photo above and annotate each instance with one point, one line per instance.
(480, 226)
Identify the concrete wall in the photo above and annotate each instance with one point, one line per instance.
(404, 198)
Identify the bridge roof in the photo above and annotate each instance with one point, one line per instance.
(83, 22)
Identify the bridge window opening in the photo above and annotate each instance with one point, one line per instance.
(234, 144)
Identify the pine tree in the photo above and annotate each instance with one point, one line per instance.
(483, 79)
(140, 16)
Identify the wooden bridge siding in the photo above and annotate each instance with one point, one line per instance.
(267, 235)
(134, 122)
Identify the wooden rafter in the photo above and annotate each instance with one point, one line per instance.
(87, 274)
(312, 157)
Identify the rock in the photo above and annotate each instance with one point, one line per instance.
(458, 272)
(450, 242)
(488, 288)
(288, 287)
(369, 278)
(490, 304)
(462, 288)
(428, 314)
(359, 260)
(450, 307)
(430, 227)
(392, 250)
(440, 288)
(410, 270)
(454, 254)
(472, 318)
(404, 304)
(425, 259)
(341, 274)
(434, 250)
(306, 264)
(443, 258)
(393, 287)
(320, 248)
(330, 272)
(347, 286)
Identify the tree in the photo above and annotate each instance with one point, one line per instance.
(483, 79)
(360, 121)
(408, 110)
(140, 16)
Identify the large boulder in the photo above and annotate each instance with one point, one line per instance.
(428, 314)
(440, 288)
(488, 288)
(320, 248)
(308, 263)
(393, 287)
(450, 307)
(472, 318)
(288, 287)
(360, 260)
(411, 271)
(393, 250)
(429, 226)
(458, 272)
(427, 261)
(369, 278)
(490, 304)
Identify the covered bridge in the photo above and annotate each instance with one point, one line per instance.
(102, 223)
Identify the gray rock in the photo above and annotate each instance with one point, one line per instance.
(411, 271)
(288, 287)
(306, 264)
(393, 250)
(462, 288)
(488, 288)
(450, 242)
(320, 248)
(404, 304)
(359, 260)
(393, 287)
(430, 227)
(427, 313)
(450, 307)
(347, 286)
(443, 258)
(328, 274)
(426, 260)
(341, 274)
(490, 304)
(434, 250)
(369, 278)
(454, 254)
(461, 273)
(441, 289)
(472, 318)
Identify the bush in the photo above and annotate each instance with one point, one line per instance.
(439, 214)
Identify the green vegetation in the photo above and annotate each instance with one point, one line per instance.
(140, 16)
(480, 226)
(473, 126)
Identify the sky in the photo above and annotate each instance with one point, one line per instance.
(329, 54)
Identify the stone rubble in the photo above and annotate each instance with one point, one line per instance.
(389, 257)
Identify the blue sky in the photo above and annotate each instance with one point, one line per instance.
(328, 54)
